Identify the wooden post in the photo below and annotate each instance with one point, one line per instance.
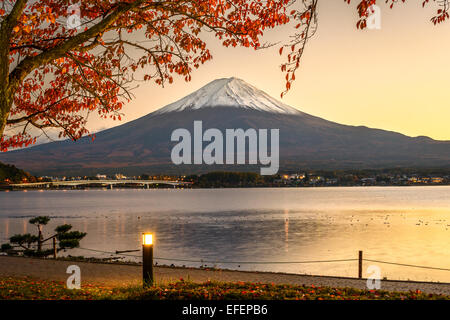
(54, 247)
(360, 264)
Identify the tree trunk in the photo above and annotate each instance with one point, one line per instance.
(54, 248)
(5, 96)
(5, 107)
(40, 238)
(6, 92)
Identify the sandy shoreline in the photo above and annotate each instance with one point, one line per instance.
(113, 275)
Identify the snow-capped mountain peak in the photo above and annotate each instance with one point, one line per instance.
(229, 92)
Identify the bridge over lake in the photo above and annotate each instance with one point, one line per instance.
(107, 183)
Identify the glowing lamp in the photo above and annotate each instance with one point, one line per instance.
(147, 259)
(147, 239)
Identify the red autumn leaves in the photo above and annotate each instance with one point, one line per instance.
(148, 40)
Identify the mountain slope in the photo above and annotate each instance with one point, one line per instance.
(143, 145)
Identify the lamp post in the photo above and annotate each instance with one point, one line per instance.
(147, 259)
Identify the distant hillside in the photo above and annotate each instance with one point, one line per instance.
(11, 174)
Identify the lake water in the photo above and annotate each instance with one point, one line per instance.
(409, 225)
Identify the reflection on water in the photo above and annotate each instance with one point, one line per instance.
(396, 224)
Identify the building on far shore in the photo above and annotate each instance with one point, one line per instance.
(119, 176)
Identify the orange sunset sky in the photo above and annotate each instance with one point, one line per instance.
(395, 78)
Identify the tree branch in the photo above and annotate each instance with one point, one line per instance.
(32, 62)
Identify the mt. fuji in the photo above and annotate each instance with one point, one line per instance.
(230, 92)
(144, 145)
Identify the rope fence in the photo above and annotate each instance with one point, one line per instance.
(120, 253)
(269, 262)
(407, 265)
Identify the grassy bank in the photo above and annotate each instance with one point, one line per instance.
(30, 289)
